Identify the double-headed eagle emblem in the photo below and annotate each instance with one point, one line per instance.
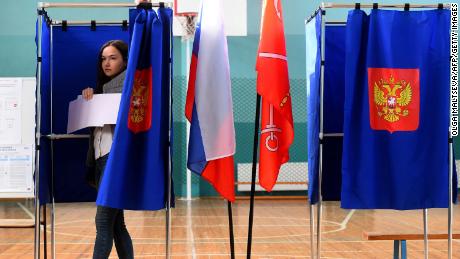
(138, 100)
(391, 98)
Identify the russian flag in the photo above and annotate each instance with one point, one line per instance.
(209, 106)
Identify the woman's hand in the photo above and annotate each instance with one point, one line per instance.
(87, 93)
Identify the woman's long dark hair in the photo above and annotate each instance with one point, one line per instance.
(101, 77)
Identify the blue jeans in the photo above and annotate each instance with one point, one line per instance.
(110, 226)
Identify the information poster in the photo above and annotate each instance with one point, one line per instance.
(16, 170)
(10, 110)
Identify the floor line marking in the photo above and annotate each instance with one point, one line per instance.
(26, 210)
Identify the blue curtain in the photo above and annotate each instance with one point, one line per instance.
(334, 77)
(334, 86)
(69, 61)
(313, 74)
(136, 174)
(395, 153)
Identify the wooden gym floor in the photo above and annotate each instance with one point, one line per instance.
(200, 230)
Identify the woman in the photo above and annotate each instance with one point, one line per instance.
(110, 223)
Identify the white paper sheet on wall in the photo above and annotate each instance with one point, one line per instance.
(16, 175)
(10, 110)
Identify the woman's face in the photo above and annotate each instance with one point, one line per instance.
(112, 61)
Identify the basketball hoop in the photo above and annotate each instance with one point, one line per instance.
(188, 23)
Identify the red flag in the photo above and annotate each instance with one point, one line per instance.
(277, 127)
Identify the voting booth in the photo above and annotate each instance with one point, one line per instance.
(344, 99)
(67, 60)
(69, 64)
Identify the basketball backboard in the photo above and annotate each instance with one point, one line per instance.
(235, 15)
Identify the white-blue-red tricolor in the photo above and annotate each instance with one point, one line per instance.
(209, 106)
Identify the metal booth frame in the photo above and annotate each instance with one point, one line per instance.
(41, 12)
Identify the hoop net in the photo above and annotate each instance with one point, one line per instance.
(188, 23)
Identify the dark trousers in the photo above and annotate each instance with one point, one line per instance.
(110, 226)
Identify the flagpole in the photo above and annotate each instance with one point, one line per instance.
(169, 189)
(425, 231)
(320, 198)
(312, 231)
(188, 55)
(230, 226)
(45, 243)
(253, 178)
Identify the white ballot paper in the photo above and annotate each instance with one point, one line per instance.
(101, 109)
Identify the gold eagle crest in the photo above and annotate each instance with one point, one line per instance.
(138, 100)
(391, 98)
